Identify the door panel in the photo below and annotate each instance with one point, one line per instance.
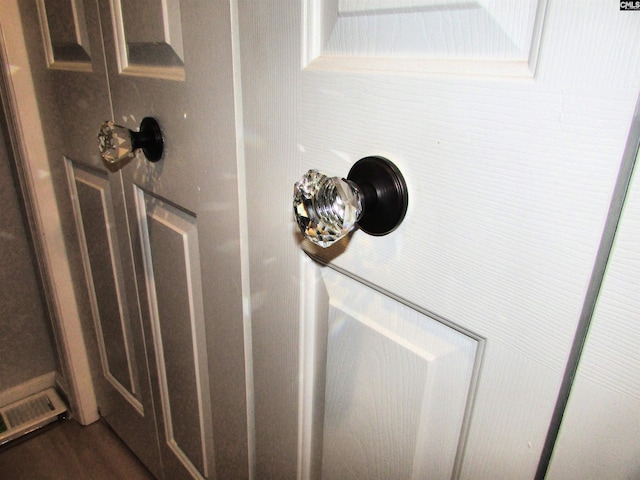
(122, 379)
(65, 35)
(152, 48)
(172, 270)
(443, 36)
(91, 192)
(397, 381)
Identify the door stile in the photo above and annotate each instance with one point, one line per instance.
(243, 230)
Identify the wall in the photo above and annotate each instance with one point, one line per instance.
(26, 342)
(36, 144)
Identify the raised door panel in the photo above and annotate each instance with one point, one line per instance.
(391, 384)
(65, 34)
(485, 37)
(125, 401)
(173, 283)
(109, 295)
(153, 48)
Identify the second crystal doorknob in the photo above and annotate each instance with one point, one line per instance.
(119, 143)
(373, 196)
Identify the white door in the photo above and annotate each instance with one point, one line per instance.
(606, 389)
(161, 239)
(437, 351)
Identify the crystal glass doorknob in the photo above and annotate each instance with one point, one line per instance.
(119, 143)
(373, 197)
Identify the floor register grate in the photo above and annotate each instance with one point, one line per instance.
(29, 414)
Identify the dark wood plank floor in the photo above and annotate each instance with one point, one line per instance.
(68, 450)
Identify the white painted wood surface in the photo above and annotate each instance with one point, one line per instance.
(396, 386)
(600, 432)
(480, 38)
(509, 186)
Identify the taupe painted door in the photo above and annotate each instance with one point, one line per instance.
(183, 214)
(74, 55)
(160, 240)
(437, 351)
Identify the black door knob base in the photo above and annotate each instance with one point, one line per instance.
(385, 194)
(149, 139)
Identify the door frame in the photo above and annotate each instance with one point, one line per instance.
(21, 114)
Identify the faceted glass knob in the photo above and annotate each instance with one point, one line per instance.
(118, 143)
(115, 143)
(326, 209)
(373, 196)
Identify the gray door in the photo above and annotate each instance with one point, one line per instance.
(73, 52)
(160, 241)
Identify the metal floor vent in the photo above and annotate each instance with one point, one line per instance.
(29, 414)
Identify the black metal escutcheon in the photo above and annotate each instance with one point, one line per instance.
(149, 139)
(385, 194)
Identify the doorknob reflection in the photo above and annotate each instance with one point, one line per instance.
(373, 196)
(119, 143)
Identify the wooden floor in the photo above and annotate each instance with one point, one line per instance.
(68, 450)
